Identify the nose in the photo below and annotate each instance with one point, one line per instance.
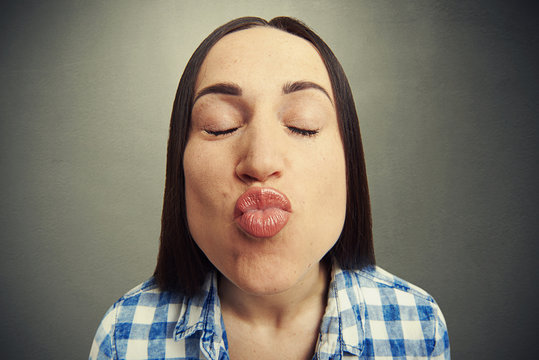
(261, 155)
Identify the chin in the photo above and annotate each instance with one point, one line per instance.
(264, 288)
(268, 279)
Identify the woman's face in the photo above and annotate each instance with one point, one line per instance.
(265, 176)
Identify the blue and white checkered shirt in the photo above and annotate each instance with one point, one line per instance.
(370, 314)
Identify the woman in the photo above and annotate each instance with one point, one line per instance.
(266, 245)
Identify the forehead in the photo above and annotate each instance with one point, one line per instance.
(262, 56)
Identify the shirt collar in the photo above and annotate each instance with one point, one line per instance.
(341, 330)
(343, 323)
(202, 313)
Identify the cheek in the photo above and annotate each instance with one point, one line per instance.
(193, 183)
(324, 189)
(202, 166)
(195, 180)
(333, 207)
(207, 177)
(331, 171)
(335, 187)
(198, 175)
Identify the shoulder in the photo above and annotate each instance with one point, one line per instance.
(147, 302)
(376, 278)
(381, 290)
(392, 310)
(146, 294)
(143, 312)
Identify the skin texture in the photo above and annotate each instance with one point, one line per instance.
(274, 288)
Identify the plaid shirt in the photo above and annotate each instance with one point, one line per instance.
(370, 314)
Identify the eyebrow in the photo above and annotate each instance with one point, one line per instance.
(220, 88)
(291, 87)
(235, 90)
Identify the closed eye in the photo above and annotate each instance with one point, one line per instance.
(220, 132)
(302, 132)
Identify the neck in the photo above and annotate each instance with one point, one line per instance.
(307, 296)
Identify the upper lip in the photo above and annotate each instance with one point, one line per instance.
(261, 198)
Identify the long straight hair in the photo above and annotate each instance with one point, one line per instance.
(181, 265)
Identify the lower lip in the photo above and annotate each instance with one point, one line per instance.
(262, 212)
(263, 223)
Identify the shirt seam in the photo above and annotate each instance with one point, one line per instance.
(144, 287)
(113, 337)
(393, 284)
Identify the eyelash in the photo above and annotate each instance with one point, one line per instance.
(221, 132)
(302, 132)
(294, 130)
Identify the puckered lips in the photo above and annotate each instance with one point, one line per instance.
(262, 212)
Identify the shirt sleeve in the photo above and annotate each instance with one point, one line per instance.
(441, 345)
(103, 344)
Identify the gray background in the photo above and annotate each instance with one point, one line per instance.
(447, 98)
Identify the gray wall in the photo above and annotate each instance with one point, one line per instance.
(447, 98)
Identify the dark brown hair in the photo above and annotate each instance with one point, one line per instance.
(181, 265)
